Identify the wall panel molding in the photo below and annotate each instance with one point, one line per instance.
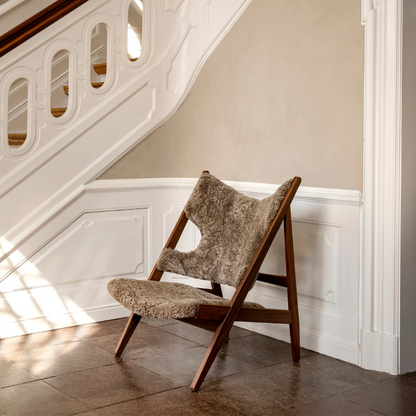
(380, 286)
(118, 228)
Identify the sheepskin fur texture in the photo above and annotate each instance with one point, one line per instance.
(163, 299)
(232, 226)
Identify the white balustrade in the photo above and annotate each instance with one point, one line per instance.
(100, 124)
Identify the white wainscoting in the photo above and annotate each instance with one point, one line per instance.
(57, 277)
(100, 125)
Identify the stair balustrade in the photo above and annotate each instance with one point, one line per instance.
(83, 105)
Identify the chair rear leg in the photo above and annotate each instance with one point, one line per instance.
(291, 288)
(128, 332)
(218, 339)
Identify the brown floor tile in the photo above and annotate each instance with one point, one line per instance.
(332, 406)
(157, 322)
(112, 384)
(90, 413)
(181, 366)
(80, 366)
(255, 393)
(40, 339)
(260, 350)
(178, 402)
(237, 332)
(101, 329)
(11, 374)
(36, 399)
(201, 336)
(394, 397)
(327, 374)
(145, 342)
(61, 359)
(411, 375)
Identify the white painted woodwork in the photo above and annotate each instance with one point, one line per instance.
(64, 282)
(380, 285)
(100, 125)
(57, 276)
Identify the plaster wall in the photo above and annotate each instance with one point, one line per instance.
(282, 95)
(11, 17)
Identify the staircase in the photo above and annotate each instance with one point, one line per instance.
(67, 145)
(18, 139)
(70, 139)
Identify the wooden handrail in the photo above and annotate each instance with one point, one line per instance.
(36, 23)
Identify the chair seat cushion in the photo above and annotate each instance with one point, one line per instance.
(163, 299)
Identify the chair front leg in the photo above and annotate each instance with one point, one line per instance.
(128, 332)
(218, 339)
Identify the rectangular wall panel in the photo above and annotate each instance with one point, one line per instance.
(64, 279)
(118, 228)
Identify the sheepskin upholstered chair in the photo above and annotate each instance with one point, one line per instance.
(236, 233)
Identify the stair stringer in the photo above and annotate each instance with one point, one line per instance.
(100, 126)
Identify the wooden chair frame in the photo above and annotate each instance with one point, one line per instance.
(220, 319)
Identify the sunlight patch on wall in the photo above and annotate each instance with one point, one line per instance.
(28, 299)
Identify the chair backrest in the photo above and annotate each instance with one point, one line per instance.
(232, 226)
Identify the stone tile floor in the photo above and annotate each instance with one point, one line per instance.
(73, 371)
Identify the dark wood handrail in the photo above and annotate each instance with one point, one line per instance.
(36, 23)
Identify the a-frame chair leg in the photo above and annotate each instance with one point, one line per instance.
(154, 275)
(291, 287)
(218, 339)
(128, 332)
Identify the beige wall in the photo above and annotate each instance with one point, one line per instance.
(20, 13)
(282, 95)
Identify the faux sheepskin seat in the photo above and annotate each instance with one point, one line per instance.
(163, 299)
(232, 226)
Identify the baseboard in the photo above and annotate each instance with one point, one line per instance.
(49, 323)
(380, 352)
(57, 275)
(313, 341)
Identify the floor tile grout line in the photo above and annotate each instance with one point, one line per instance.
(204, 345)
(308, 404)
(360, 405)
(78, 371)
(310, 384)
(20, 384)
(69, 396)
(137, 398)
(164, 391)
(256, 365)
(61, 329)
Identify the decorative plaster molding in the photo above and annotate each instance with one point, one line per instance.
(367, 6)
(258, 190)
(109, 218)
(173, 5)
(380, 282)
(85, 126)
